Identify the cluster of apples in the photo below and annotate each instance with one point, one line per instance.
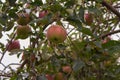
(60, 75)
(23, 29)
(22, 32)
(55, 33)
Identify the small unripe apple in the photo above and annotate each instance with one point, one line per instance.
(59, 76)
(13, 45)
(43, 14)
(23, 18)
(49, 77)
(23, 31)
(67, 69)
(88, 17)
(56, 34)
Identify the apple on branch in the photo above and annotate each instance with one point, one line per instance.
(67, 69)
(23, 18)
(43, 13)
(56, 34)
(13, 45)
(23, 31)
(88, 18)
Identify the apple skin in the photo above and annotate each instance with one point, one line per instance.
(56, 34)
(23, 31)
(13, 45)
(88, 17)
(67, 69)
(43, 14)
(23, 18)
(59, 76)
(49, 77)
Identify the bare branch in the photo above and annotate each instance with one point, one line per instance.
(105, 35)
(111, 8)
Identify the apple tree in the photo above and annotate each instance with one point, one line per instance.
(68, 39)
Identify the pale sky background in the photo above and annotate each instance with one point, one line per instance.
(24, 43)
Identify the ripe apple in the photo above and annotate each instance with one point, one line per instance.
(13, 45)
(67, 69)
(49, 77)
(43, 14)
(23, 18)
(88, 17)
(23, 31)
(56, 34)
(59, 76)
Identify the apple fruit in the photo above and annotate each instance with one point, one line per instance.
(13, 45)
(23, 18)
(67, 69)
(59, 76)
(23, 31)
(88, 18)
(56, 34)
(49, 77)
(43, 14)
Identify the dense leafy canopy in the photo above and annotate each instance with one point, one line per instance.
(89, 49)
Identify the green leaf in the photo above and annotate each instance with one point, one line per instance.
(98, 44)
(78, 64)
(75, 21)
(12, 2)
(112, 46)
(42, 77)
(37, 3)
(9, 25)
(1, 34)
(3, 19)
(95, 10)
(12, 13)
(56, 7)
(86, 31)
(81, 14)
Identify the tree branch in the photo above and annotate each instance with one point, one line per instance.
(111, 8)
(105, 35)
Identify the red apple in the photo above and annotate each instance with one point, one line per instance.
(23, 18)
(13, 45)
(49, 77)
(56, 34)
(88, 18)
(23, 31)
(59, 76)
(67, 69)
(43, 14)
